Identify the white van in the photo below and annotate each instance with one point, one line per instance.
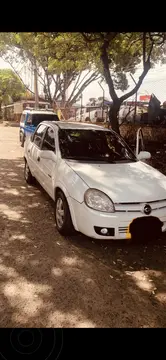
(91, 115)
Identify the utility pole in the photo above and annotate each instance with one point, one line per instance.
(81, 105)
(80, 98)
(36, 86)
(135, 107)
(103, 99)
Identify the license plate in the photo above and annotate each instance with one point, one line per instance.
(128, 234)
(144, 227)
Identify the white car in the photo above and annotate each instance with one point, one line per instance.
(99, 186)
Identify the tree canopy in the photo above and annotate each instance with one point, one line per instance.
(69, 62)
(11, 88)
(59, 60)
(118, 54)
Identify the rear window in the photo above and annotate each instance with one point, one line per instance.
(38, 118)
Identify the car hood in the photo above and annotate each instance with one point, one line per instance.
(125, 182)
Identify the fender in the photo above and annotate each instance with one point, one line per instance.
(68, 198)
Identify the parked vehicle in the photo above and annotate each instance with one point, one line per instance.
(30, 119)
(99, 186)
(87, 114)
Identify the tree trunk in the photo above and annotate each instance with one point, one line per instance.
(113, 115)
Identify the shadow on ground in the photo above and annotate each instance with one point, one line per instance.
(11, 123)
(51, 281)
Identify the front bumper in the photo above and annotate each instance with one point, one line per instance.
(86, 219)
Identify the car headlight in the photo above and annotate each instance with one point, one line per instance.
(97, 200)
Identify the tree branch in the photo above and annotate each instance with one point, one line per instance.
(74, 88)
(48, 87)
(84, 77)
(144, 48)
(135, 89)
(84, 85)
(146, 68)
(151, 48)
(87, 39)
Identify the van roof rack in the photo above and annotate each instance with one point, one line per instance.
(33, 109)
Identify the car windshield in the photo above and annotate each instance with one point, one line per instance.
(38, 118)
(94, 145)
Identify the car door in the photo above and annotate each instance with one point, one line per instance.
(34, 150)
(48, 160)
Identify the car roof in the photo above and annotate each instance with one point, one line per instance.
(45, 112)
(74, 125)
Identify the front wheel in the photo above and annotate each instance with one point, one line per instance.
(22, 139)
(62, 215)
(27, 174)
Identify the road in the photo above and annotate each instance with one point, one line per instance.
(51, 281)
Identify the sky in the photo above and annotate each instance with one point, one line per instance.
(155, 82)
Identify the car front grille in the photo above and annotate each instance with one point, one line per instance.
(138, 207)
(122, 229)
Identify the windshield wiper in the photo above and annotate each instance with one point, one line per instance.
(125, 160)
(88, 158)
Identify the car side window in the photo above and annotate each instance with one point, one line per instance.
(29, 119)
(49, 140)
(38, 135)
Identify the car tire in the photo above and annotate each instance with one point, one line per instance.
(63, 220)
(22, 140)
(27, 174)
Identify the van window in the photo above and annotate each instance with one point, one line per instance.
(29, 119)
(23, 118)
(38, 118)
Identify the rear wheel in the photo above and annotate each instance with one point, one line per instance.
(27, 174)
(62, 215)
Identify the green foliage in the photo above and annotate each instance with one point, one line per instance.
(10, 86)
(62, 57)
(58, 56)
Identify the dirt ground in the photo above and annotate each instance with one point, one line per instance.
(51, 281)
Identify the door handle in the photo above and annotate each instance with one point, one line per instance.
(38, 158)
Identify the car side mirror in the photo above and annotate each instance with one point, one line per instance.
(144, 155)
